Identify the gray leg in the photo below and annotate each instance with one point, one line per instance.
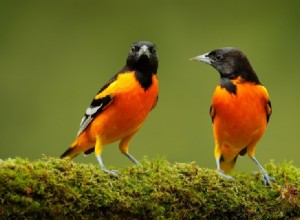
(132, 158)
(221, 172)
(266, 179)
(111, 172)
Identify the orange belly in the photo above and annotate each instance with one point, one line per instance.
(240, 120)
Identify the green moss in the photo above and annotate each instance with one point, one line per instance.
(54, 188)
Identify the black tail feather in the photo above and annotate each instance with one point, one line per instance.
(68, 152)
(243, 152)
(91, 150)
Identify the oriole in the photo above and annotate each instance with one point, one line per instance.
(240, 109)
(120, 107)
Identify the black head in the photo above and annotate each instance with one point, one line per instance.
(230, 63)
(143, 57)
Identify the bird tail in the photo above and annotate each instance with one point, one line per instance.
(71, 152)
(227, 166)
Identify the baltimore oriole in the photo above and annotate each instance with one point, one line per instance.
(240, 109)
(121, 106)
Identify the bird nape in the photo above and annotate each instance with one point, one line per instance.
(120, 107)
(240, 109)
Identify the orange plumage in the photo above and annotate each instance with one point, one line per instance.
(123, 116)
(240, 109)
(239, 120)
(121, 106)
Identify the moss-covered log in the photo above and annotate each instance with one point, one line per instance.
(56, 189)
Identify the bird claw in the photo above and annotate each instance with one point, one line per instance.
(230, 178)
(114, 173)
(266, 179)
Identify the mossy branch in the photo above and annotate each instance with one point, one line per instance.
(54, 188)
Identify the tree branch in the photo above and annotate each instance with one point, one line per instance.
(55, 188)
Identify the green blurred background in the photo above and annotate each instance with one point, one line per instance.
(55, 56)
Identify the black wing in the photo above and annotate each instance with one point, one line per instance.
(269, 110)
(212, 113)
(96, 107)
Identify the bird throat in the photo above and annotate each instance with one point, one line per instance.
(144, 78)
(228, 85)
(144, 70)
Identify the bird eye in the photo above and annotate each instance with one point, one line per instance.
(218, 57)
(134, 48)
(152, 50)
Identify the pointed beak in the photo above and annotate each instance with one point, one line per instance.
(144, 50)
(203, 58)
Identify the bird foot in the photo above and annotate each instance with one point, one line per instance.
(230, 178)
(114, 173)
(266, 179)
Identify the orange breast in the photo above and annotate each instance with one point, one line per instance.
(128, 110)
(240, 119)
